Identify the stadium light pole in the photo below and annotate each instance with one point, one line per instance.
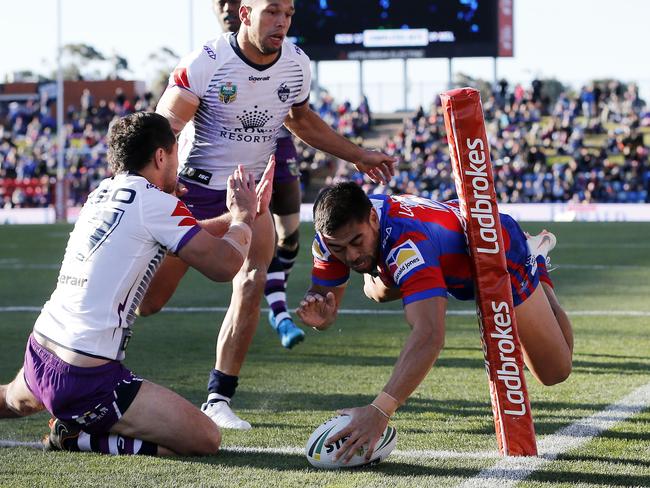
(191, 25)
(60, 210)
(405, 77)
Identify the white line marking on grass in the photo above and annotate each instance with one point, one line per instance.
(510, 470)
(365, 311)
(33, 445)
(413, 454)
(29, 266)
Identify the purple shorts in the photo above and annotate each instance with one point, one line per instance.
(286, 161)
(95, 398)
(203, 202)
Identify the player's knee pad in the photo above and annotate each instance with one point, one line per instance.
(290, 242)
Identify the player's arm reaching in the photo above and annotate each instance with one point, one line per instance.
(427, 321)
(309, 127)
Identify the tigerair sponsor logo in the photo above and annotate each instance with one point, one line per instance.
(481, 210)
(508, 371)
(80, 281)
(403, 259)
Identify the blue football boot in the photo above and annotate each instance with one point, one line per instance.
(290, 334)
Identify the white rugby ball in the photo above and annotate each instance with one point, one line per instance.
(322, 455)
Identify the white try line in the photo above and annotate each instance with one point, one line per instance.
(508, 471)
(366, 311)
(292, 451)
(511, 470)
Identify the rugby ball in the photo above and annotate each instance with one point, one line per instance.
(321, 455)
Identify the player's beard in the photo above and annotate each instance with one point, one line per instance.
(365, 264)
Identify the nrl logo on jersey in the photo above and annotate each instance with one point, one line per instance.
(403, 259)
(228, 92)
(284, 92)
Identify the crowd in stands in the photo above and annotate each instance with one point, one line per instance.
(587, 147)
(28, 148)
(590, 146)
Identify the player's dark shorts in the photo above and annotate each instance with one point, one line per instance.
(204, 203)
(286, 161)
(524, 269)
(95, 398)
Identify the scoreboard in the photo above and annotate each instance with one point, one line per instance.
(384, 29)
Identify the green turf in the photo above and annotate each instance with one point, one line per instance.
(286, 394)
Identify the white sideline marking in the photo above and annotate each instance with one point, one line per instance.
(33, 445)
(510, 470)
(366, 311)
(415, 454)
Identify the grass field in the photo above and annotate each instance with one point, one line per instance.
(445, 431)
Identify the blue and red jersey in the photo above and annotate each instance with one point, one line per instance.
(423, 251)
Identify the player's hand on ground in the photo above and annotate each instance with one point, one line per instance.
(379, 167)
(241, 198)
(264, 188)
(316, 310)
(364, 429)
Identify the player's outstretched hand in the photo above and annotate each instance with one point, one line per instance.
(316, 310)
(364, 429)
(241, 198)
(264, 188)
(379, 167)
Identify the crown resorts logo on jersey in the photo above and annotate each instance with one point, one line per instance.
(254, 119)
(228, 93)
(403, 259)
(284, 92)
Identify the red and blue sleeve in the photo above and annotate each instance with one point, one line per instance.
(327, 270)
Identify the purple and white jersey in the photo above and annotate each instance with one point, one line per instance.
(123, 232)
(242, 106)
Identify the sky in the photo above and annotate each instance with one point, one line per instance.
(571, 40)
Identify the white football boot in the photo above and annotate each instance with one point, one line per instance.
(541, 245)
(222, 415)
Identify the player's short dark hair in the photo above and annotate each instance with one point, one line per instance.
(133, 140)
(339, 205)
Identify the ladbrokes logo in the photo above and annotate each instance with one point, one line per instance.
(403, 259)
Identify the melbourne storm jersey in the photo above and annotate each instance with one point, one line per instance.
(423, 251)
(123, 232)
(242, 106)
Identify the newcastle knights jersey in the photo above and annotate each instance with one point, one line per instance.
(423, 251)
(242, 107)
(123, 232)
